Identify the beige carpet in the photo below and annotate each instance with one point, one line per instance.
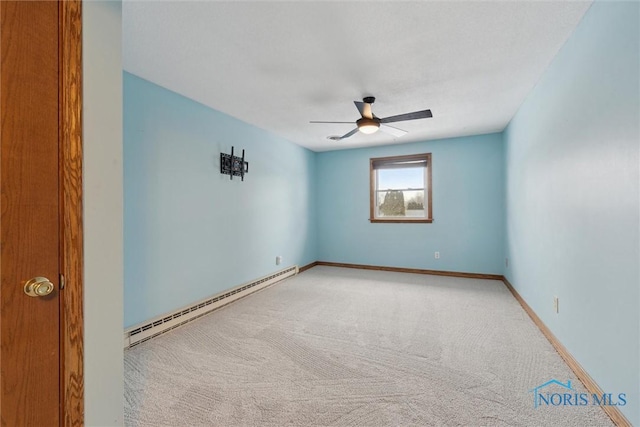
(343, 347)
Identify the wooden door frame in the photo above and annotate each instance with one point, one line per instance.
(71, 225)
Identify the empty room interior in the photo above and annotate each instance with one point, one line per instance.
(361, 213)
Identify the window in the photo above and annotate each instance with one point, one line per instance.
(401, 189)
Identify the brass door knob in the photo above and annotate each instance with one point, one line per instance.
(38, 287)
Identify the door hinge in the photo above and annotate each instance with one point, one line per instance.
(61, 281)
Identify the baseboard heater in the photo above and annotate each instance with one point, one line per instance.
(161, 324)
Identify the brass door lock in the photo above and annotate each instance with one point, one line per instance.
(38, 287)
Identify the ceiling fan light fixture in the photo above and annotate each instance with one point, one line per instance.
(368, 126)
(368, 129)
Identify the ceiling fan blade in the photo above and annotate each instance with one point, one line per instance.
(364, 108)
(393, 131)
(424, 114)
(350, 123)
(346, 135)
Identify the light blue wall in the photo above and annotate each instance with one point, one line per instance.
(468, 209)
(190, 232)
(572, 198)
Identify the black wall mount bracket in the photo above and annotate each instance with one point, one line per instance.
(233, 165)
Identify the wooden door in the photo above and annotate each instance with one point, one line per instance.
(40, 372)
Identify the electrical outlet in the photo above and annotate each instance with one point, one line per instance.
(506, 262)
(556, 307)
(278, 260)
(437, 255)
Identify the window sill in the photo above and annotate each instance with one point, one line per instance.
(403, 220)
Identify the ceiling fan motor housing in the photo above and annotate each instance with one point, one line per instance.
(366, 125)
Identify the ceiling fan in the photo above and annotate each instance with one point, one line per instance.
(369, 123)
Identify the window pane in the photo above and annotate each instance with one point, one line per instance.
(400, 179)
(401, 188)
(401, 203)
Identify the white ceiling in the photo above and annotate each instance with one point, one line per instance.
(278, 65)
